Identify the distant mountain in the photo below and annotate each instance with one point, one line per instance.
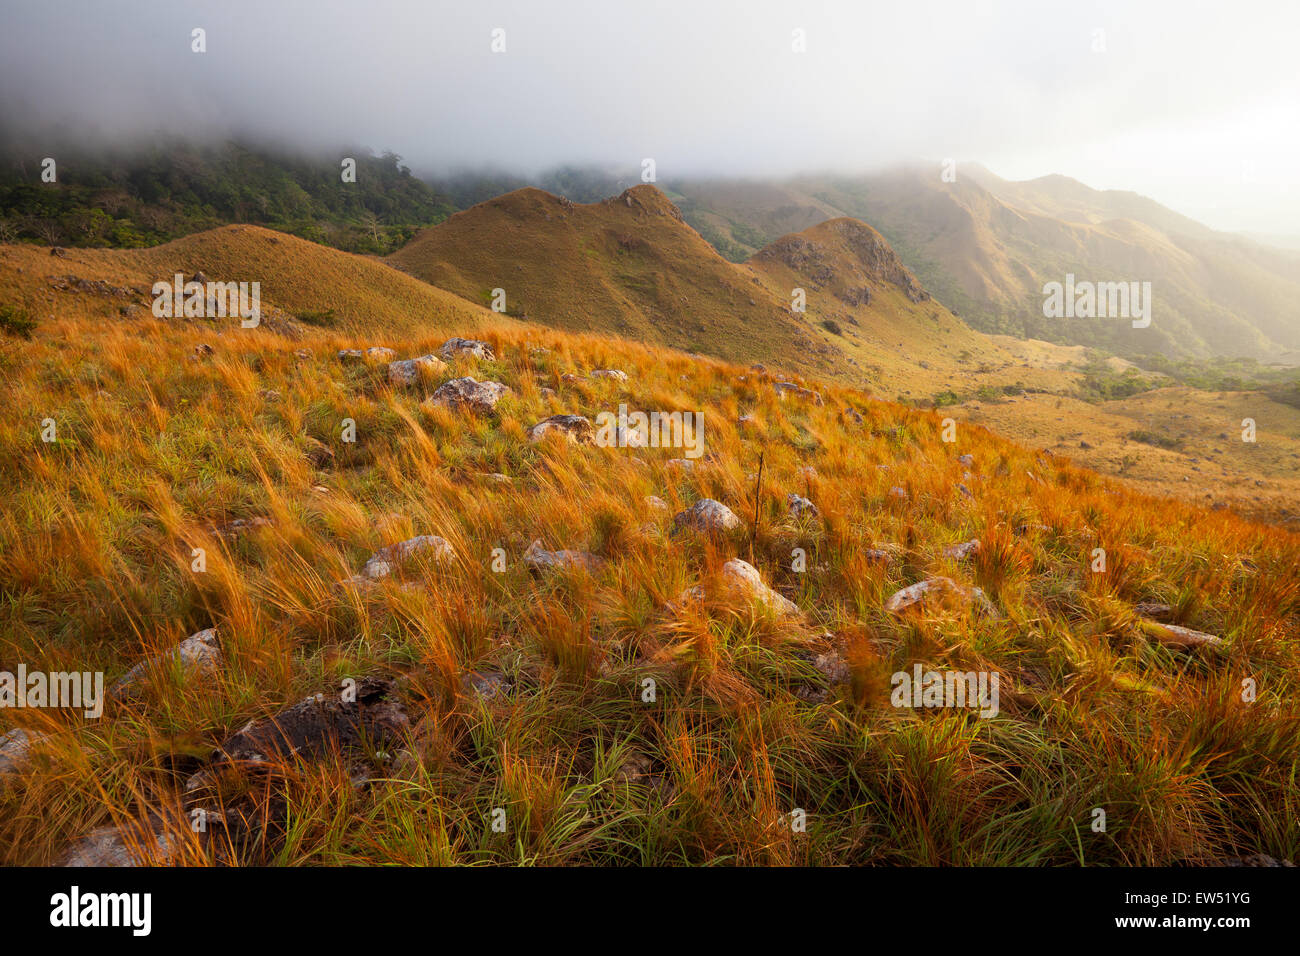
(986, 247)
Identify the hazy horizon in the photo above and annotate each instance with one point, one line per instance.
(1177, 102)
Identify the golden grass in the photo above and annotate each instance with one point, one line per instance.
(157, 447)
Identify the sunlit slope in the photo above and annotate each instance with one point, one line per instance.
(298, 279)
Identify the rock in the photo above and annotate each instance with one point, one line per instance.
(1252, 860)
(304, 355)
(144, 843)
(387, 560)
(655, 503)
(269, 395)
(707, 515)
(409, 371)
(1183, 638)
(966, 460)
(964, 550)
(637, 768)
(547, 392)
(203, 350)
(240, 527)
(240, 790)
(1154, 610)
(964, 491)
(897, 492)
(570, 378)
(574, 428)
(741, 576)
(16, 748)
(853, 415)
(457, 347)
(679, 464)
(613, 373)
(467, 393)
(196, 655)
(319, 454)
(790, 388)
(486, 684)
(801, 507)
(538, 558)
(939, 586)
(376, 353)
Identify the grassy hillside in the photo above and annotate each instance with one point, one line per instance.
(628, 266)
(500, 687)
(985, 247)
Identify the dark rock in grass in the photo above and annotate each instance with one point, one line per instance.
(241, 793)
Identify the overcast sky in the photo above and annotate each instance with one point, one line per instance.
(1195, 104)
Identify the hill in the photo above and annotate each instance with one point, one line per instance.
(444, 619)
(628, 266)
(986, 247)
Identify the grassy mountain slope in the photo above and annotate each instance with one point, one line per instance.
(756, 713)
(301, 282)
(986, 246)
(627, 265)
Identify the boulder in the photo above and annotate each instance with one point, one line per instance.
(408, 371)
(467, 393)
(387, 560)
(196, 655)
(743, 578)
(964, 550)
(16, 748)
(801, 507)
(790, 388)
(470, 348)
(707, 515)
(574, 428)
(538, 558)
(938, 587)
